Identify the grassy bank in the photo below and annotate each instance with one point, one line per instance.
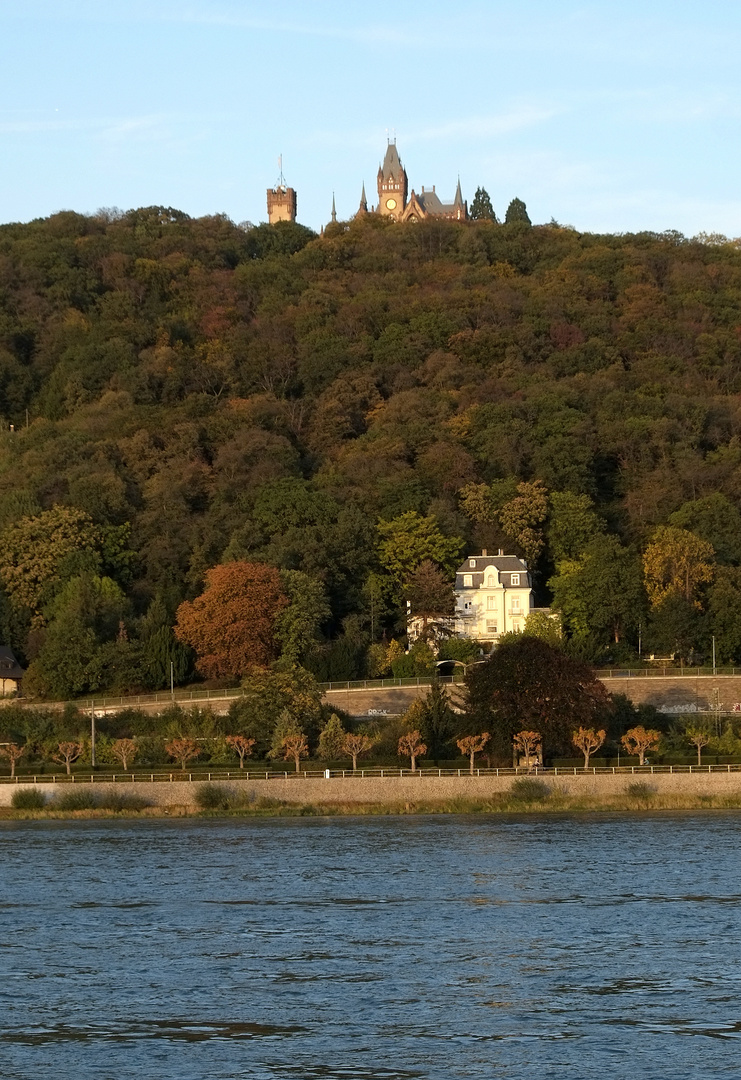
(530, 798)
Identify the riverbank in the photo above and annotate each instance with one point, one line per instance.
(532, 798)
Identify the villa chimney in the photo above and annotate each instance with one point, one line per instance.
(484, 553)
(500, 552)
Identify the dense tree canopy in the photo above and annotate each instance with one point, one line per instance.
(188, 392)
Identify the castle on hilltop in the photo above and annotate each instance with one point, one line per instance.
(394, 201)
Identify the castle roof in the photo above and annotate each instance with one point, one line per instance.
(391, 163)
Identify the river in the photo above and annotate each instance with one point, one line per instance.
(378, 948)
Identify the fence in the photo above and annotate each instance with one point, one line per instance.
(360, 774)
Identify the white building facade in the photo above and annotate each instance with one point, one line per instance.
(493, 596)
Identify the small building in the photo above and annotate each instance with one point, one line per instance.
(493, 596)
(11, 673)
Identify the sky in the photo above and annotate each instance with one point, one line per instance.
(607, 116)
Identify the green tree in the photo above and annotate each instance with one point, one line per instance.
(522, 519)
(601, 596)
(676, 563)
(297, 626)
(517, 211)
(437, 720)
(717, 521)
(546, 626)
(332, 739)
(572, 525)
(481, 208)
(410, 539)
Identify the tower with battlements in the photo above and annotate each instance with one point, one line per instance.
(281, 200)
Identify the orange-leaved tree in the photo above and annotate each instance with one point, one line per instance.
(588, 740)
(472, 744)
(13, 752)
(241, 745)
(182, 750)
(67, 753)
(124, 750)
(411, 746)
(699, 736)
(295, 746)
(231, 624)
(639, 741)
(527, 743)
(355, 745)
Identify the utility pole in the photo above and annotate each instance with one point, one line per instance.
(172, 680)
(714, 672)
(92, 734)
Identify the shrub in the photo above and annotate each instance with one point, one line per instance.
(212, 797)
(121, 800)
(77, 798)
(28, 798)
(640, 790)
(527, 789)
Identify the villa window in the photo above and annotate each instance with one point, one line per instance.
(471, 562)
(491, 581)
(467, 580)
(515, 579)
(491, 603)
(491, 628)
(515, 603)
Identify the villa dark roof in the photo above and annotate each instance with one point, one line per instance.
(9, 666)
(505, 564)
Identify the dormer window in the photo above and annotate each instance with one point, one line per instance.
(515, 579)
(471, 562)
(491, 581)
(467, 581)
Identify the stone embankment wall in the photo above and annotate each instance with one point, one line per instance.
(681, 693)
(395, 789)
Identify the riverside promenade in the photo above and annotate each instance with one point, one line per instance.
(391, 786)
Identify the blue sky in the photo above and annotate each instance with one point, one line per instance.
(607, 116)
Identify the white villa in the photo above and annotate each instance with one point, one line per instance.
(493, 596)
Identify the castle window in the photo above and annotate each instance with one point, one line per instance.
(515, 579)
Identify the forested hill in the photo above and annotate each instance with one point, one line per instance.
(270, 395)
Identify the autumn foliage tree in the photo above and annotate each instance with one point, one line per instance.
(472, 745)
(231, 625)
(639, 740)
(124, 750)
(527, 743)
(699, 737)
(588, 740)
(241, 745)
(356, 745)
(13, 752)
(182, 750)
(411, 746)
(67, 753)
(295, 747)
(676, 563)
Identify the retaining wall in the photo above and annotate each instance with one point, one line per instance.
(394, 789)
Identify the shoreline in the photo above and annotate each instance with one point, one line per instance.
(640, 802)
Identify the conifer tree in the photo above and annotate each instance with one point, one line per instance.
(517, 211)
(481, 208)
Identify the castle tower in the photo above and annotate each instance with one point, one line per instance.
(281, 200)
(392, 185)
(363, 208)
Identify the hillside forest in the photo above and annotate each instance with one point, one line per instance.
(347, 416)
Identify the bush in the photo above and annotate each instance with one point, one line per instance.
(121, 800)
(640, 790)
(213, 797)
(77, 798)
(28, 798)
(528, 790)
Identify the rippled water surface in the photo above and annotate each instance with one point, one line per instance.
(376, 949)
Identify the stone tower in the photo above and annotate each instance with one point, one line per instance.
(392, 185)
(281, 200)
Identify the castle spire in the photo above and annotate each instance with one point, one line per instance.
(334, 212)
(363, 208)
